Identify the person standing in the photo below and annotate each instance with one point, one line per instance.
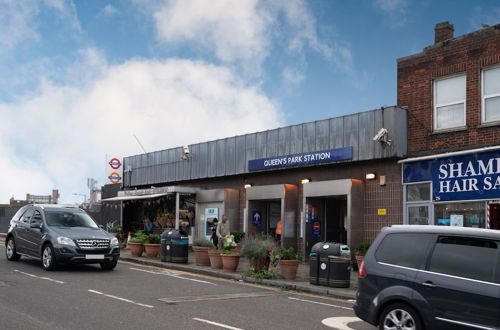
(222, 230)
(213, 228)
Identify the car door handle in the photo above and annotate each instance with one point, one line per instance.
(429, 284)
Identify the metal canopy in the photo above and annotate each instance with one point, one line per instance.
(128, 198)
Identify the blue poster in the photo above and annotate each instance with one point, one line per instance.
(316, 229)
(256, 218)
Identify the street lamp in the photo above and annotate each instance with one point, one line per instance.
(83, 195)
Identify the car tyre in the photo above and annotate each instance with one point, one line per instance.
(48, 257)
(109, 265)
(11, 251)
(400, 316)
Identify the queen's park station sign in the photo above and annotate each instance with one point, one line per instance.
(470, 176)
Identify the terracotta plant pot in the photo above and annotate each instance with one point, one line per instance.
(230, 262)
(152, 250)
(215, 260)
(289, 269)
(260, 264)
(201, 255)
(136, 249)
(359, 260)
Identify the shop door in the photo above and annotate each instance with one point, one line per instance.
(263, 216)
(495, 216)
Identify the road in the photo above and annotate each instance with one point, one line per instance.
(143, 297)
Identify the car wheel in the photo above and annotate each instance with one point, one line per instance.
(10, 250)
(400, 316)
(48, 257)
(109, 265)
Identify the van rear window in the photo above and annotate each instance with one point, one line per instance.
(404, 249)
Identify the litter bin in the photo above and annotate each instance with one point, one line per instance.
(166, 246)
(179, 246)
(339, 275)
(320, 263)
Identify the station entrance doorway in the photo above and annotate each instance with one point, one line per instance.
(264, 216)
(326, 220)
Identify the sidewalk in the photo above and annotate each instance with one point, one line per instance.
(300, 284)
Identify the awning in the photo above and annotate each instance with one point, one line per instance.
(128, 198)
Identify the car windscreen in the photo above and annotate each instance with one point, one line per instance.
(65, 218)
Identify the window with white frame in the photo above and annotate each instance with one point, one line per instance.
(449, 102)
(491, 94)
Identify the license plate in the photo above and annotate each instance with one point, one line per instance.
(94, 256)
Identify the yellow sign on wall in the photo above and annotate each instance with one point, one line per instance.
(382, 211)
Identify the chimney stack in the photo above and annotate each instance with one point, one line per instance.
(443, 31)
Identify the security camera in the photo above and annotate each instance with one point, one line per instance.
(186, 150)
(380, 135)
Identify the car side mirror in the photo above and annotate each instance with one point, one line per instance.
(37, 225)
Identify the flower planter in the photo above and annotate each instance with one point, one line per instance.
(289, 269)
(215, 260)
(230, 262)
(201, 255)
(259, 264)
(136, 249)
(152, 250)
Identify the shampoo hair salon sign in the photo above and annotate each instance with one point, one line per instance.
(308, 158)
(463, 177)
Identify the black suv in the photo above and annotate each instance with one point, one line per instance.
(59, 234)
(431, 277)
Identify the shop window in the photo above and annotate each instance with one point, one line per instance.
(449, 102)
(491, 95)
(418, 215)
(402, 250)
(464, 257)
(460, 214)
(418, 192)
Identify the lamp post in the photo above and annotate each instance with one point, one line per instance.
(83, 195)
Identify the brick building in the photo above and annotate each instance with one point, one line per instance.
(452, 92)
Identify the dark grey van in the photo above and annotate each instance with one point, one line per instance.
(59, 234)
(431, 277)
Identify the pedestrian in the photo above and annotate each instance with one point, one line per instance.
(213, 229)
(278, 232)
(148, 226)
(222, 231)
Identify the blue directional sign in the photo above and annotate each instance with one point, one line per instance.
(256, 218)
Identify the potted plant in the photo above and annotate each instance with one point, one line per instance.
(230, 259)
(289, 262)
(152, 245)
(258, 249)
(115, 230)
(136, 244)
(238, 237)
(360, 252)
(215, 258)
(200, 248)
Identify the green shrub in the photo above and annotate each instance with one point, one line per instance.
(261, 275)
(257, 247)
(286, 254)
(214, 251)
(202, 242)
(153, 239)
(238, 236)
(115, 229)
(228, 252)
(137, 239)
(362, 248)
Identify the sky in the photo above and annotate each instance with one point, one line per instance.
(80, 78)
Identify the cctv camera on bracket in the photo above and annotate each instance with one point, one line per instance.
(382, 136)
(186, 150)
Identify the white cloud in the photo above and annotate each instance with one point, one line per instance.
(396, 11)
(16, 20)
(109, 10)
(60, 136)
(480, 16)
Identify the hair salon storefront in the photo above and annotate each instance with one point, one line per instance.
(311, 176)
(454, 189)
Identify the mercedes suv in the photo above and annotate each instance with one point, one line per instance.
(431, 277)
(59, 234)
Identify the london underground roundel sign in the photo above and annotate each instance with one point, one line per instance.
(115, 163)
(115, 177)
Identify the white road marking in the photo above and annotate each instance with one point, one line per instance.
(167, 273)
(340, 323)
(121, 299)
(39, 277)
(217, 324)
(320, 303)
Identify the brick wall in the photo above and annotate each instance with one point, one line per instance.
(465, 54)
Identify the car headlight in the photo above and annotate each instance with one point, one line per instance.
(114, 241)
(65, 241)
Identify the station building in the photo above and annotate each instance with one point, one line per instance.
(336, 179)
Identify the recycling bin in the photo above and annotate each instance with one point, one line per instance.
(166, 246)
(339, 270)
(314, 263)
(179, 246)
(320, 262)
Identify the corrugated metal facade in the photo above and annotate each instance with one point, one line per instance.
(230, 156)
